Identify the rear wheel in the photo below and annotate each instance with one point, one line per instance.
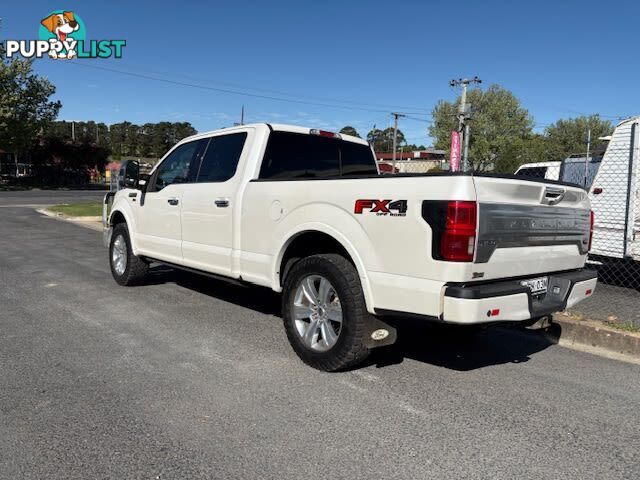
(127, 269)
(324, 312)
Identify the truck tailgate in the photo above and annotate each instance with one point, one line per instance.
(529, 227)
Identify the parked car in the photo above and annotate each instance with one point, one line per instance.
(541, 170)
(305, 212)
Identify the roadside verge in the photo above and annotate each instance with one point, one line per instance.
(597, 337)
(92, 222)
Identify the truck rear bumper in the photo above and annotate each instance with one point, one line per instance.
(472, 303)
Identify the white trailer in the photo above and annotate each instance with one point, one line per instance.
(614, 195)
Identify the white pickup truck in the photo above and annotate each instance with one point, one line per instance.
(305, 212)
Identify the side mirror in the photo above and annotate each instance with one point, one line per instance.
(143, 181)
(129, 175)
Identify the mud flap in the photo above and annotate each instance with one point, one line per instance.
(379, 333)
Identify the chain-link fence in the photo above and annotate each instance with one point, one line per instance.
(610, 175)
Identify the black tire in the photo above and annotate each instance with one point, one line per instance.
(350, 348)
(136, 269)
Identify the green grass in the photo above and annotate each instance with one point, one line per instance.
(627, 327)
(93, 209)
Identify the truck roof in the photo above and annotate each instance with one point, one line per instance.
(279, 127)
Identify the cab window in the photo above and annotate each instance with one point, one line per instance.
(176, 167)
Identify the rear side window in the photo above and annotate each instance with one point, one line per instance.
(356, 159)
(296, 155)
(220, 160)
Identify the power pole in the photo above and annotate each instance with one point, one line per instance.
(464, 116)
(242, 116)
(395, 137)
(73, 131)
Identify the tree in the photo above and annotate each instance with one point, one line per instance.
(413, 147)
(373, 136)
(568, 136)
(382, 140)
(25, 105)
(57, 161)
(183, 130)
(500, 129)
(349, 130)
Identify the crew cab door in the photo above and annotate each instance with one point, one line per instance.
(210, 204)
(158, 232)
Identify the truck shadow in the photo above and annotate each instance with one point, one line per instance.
(453, 347)
(260, 299)
(464, 348)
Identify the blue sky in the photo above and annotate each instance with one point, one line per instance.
(561, 58)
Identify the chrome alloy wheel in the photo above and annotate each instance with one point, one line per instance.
(119, 255)
(317, 313)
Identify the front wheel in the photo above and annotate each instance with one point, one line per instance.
(127, 269)
(324, 312)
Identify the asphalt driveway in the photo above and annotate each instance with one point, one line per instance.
(189, 377)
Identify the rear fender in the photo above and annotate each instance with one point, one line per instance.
(340, 238)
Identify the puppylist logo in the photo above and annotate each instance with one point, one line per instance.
(62, 35)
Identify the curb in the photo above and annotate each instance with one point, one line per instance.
(597, 337)
(91, 222)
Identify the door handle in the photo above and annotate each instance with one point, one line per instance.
(222, 202)
(172, 201)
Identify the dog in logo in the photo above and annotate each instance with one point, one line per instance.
(61, 25)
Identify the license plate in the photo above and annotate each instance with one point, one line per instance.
(536, 285)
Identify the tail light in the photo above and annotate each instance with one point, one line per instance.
(459, 237)
(591, 222)
(454, 225)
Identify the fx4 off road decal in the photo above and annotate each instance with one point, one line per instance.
(393, 208)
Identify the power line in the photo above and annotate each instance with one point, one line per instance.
(419, 119)
(286, 94)
(147, 76)
(559, 108)
(300, 99)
